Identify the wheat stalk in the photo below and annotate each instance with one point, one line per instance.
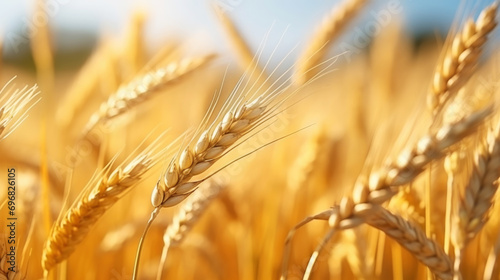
(86, 82)
(5, 272)
(72, 228)
(141, 88)
(14, 105)
(186, 218)
(331, 27)
(243, 52)
(461, 57)
(479, 193)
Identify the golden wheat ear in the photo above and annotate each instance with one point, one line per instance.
(101, 193)
(14, 106)
(460, 58)
(141, 88)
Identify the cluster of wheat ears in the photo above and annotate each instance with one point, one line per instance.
(186, 168)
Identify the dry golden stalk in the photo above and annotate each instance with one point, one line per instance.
(461, 57)
(85, 83)
(14, 105)
(93, 202)
(247, 60)
(141, 88)
(134, 51)
(5, 272)
(213, 143)
(479, 193)
(413, 239)
(186, 218)
(331, 27)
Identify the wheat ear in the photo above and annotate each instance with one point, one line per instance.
(381, 185)
(331, 27)
(14, 105)
(236, 119)
(92, 203)
(141, 88)
(413, 239)
(479, 193)
(461, 57)
(187, 216)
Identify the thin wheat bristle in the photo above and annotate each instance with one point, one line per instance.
(329, 30)
(14, 105)
(74, 226)
(141, 88)
(461, 57)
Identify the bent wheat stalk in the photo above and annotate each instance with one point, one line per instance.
(331, 27)
(14, 106)
(141, 88)
(92, 203)
(461, 57)
(186, 218)
(479, 193)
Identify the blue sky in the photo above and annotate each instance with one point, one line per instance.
(194, 18)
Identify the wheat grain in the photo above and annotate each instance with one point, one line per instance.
(14, 105)
(141, 88)
(461, 57)
(331, 27)
(72, 228)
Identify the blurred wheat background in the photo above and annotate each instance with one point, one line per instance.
(348, 139)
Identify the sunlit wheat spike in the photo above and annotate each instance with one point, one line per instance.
(101, 193)
(142, 88)
(460, 58)
(250, 106)
(329, 30)
(14, 106)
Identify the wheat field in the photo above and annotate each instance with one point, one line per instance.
(343, 160)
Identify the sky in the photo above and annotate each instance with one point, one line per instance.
(194, 20)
